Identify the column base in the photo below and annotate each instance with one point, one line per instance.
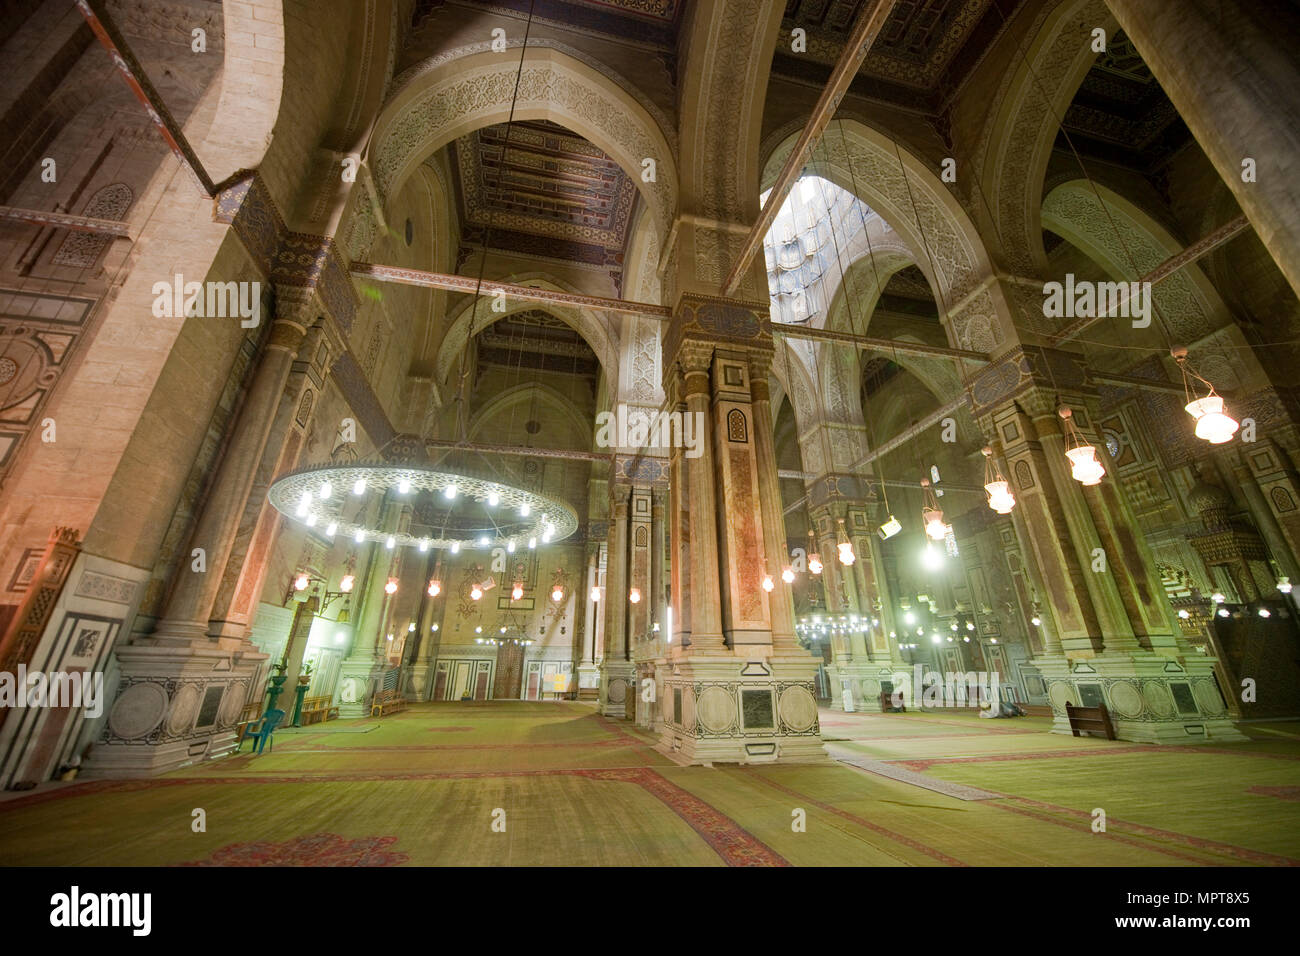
(175, 706)
(357, 677)
(729, 709)
(1151, 699)
(865, 682)
(588, 681)
(617, 680)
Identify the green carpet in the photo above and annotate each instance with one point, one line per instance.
(425, 787)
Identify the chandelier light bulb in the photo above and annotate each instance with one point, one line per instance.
(390, 543)
(435, 587)
(483, 541)
(595, 593)
(517, 592)
(1036, 621)
(346, 584)
(532, 544)
(475, 593)
(1217, 597)
(332, 529)
(325, 490)
(768, 583)
(557, 595)
(494, 499)
(788, 575)
(931, 558)
(634, 595)
(449, 492)
(935, 529)
(510, 547)
(391, 586)
(815, 563)
(455, 547)
(311, 521)
(424, 545)
(300, 582)
(359, 536)
(403, 486)
(1264, 612)
(1183, 613)
(1211, 423)
(847, 556)
(1284, 585)
(1223, 612)
(359, 486)
(525, 510)
(1001, 499)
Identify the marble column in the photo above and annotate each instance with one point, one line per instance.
(781, 600)
(1230, 69)
(616, 669)
(702, 510)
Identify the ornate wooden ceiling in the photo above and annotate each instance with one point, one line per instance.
(922, 56)
(547, 192)
(650, 23)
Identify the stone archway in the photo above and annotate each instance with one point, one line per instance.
(472, 87)
(943, 241)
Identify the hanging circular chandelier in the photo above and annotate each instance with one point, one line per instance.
(451, 510)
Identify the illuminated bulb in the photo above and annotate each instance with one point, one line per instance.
(788, 576)
(391, 586)
(390, 637)
(909, 618)
(1036, 621)
(516, 593)
(558, 594)
(768, 583)
(475, 593)
(332, 529)
(479, 629)
(300, 582)
(403, 486)
(815, 564)
(935, 639)
(1001, 499)
(424, 544)
(1211, 423)
(390, 543)
(935, 529)
(525, 510)
(346, 584)
(1223, 612)
(1084, 466)
(1183, 614)
(494, 499)
(846, 554)
(449, 492)
(532, 543)
(1263, 612)
(435, 587)
(483, 541)
(970, 625)
(595, 593)
(455, 547)
(433, 627)
(325, 490)
(411, 626)
(1284, 585)
(311, 521)
(359, 486)
(1217, 598)
(931, 558)
(359, 536)
(510, 547)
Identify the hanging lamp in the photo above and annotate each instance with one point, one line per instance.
(814, 556)
(931, 513)
(1212, 423)
(998, 488)
(1084, 466)
(845, 548)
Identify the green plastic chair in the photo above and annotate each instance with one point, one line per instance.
(263, 729)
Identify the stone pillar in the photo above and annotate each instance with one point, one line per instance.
(701, 510)
(1108, 628)
(364, 659)
(616, 670)
(1229, 66)
(212, 675)
(781, 600)
(588, 673)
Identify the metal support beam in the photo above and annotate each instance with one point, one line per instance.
(102, 26)
(468, 284)
(1202, 247)
(61, 220)
(884, 345)
(868, 26)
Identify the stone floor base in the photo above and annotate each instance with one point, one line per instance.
(174, 707)
(1150, 699)
(727, 709)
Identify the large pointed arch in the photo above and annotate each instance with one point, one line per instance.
(472, 87)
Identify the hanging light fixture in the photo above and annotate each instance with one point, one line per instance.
(814, 556)
(517, 592)
(788, 575)
(1212, 424)
(475, 593)
(435, 587)
(1084, 466)
(595, 593)
(634, 595)
(768, 583)
(391, 586)
(845, 548)
(931, 513)
(346, 584)
(300, 582)
(1001, 499)
(557, 594)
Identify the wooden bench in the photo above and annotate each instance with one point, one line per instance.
(387, 702)
(249, 715)
(887, 705)
(1089, 720)
(316, 709)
